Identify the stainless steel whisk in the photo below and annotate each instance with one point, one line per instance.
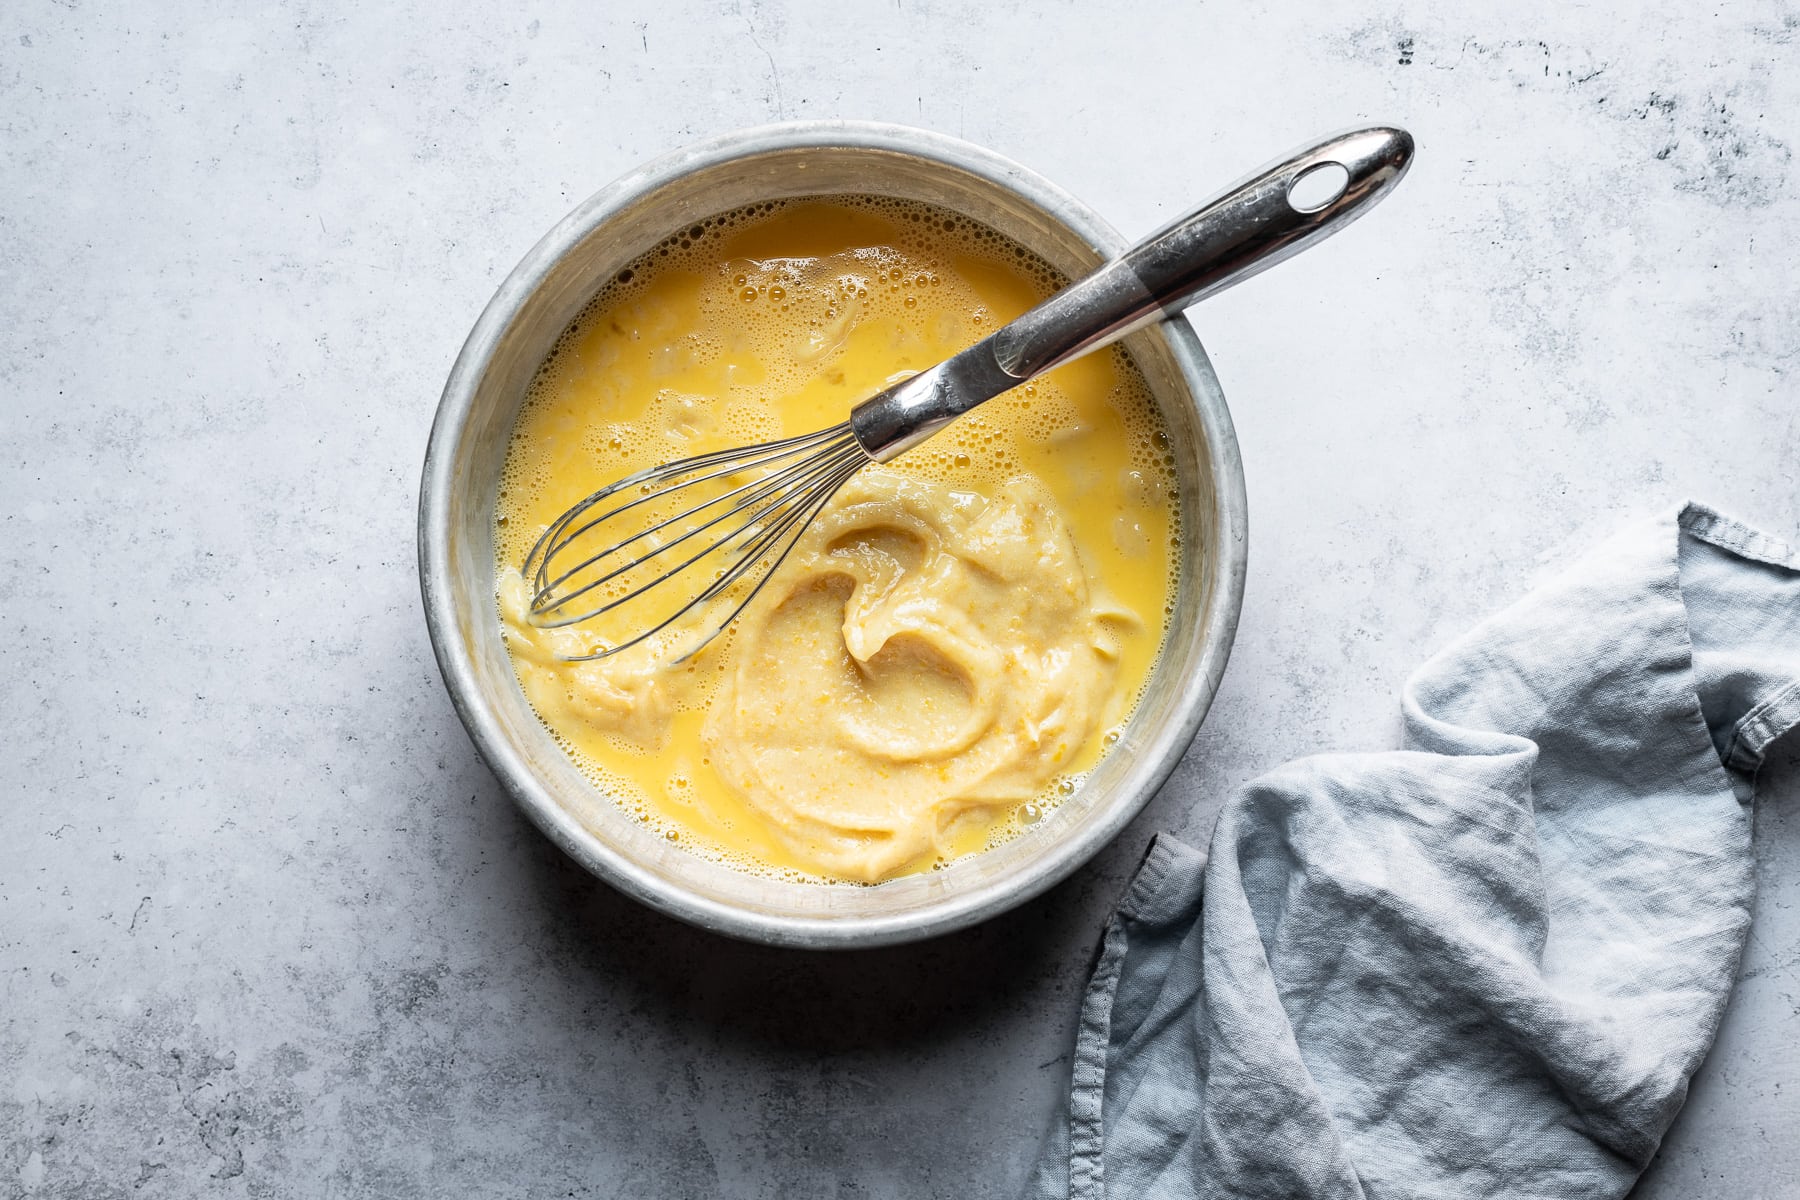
(743, 510)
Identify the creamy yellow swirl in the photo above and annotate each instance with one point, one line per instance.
(928, 652)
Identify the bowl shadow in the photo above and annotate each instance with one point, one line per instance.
(822, 1001)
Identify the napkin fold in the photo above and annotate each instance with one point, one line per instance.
(1485, 964)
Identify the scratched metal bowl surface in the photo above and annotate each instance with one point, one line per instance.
(468, 445)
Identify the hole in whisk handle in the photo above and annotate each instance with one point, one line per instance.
(1318, 187)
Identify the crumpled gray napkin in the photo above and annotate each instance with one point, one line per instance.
(1485, 964)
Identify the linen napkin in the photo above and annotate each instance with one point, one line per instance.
(1485, 964)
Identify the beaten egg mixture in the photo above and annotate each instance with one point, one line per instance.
(953, 642)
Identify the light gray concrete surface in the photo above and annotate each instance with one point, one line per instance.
(269, 928)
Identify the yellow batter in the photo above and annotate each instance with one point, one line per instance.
(950, 646)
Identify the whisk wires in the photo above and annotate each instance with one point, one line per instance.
(745, 510)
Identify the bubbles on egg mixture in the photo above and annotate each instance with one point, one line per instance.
(628, 796)
(834, 292)
(793, 314)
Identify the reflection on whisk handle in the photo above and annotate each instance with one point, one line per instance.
(1272, 215)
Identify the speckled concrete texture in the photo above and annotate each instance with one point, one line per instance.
(267, 925)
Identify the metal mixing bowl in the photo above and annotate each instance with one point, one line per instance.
(468, 445)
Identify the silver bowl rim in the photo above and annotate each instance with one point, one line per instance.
(1229, 547)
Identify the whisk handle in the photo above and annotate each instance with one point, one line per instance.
(1274, 214)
